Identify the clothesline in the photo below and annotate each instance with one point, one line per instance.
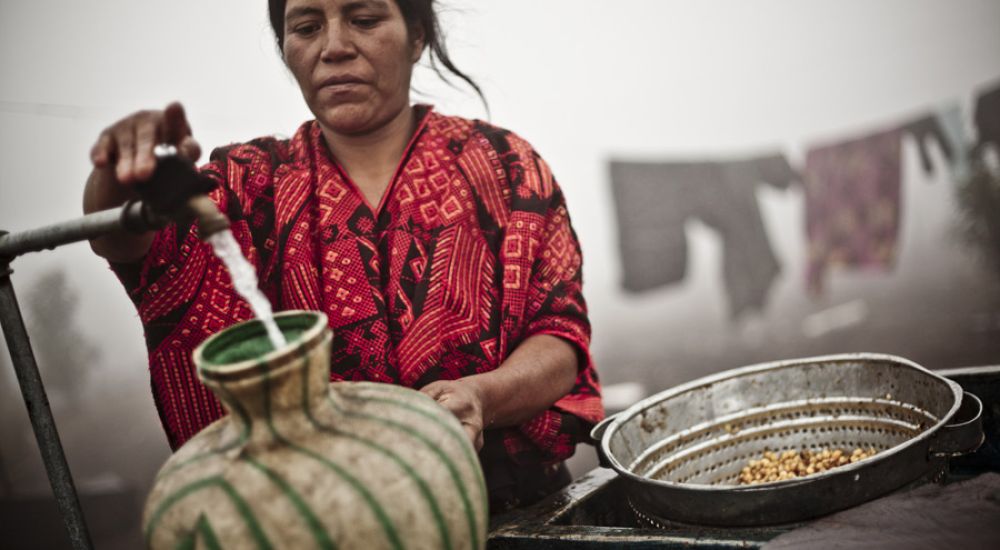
(852, 195)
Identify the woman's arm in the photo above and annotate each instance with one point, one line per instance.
(122, 156)
(540, 371)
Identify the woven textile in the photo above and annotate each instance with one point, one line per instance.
(853, 195)
(853, 203)
(470, 252)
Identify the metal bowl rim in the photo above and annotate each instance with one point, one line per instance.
(637, 408)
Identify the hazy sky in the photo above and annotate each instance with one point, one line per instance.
(584, 81)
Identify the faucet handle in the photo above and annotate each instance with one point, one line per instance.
(177, 191)
(173, 183)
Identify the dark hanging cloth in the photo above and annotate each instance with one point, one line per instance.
(958, 515)
(950, 119)
(925, 129)
(654, 200)
(987, 117)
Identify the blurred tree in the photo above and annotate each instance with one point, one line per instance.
(978, 198)
(64, 356)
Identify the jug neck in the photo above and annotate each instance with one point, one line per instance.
(271, 394)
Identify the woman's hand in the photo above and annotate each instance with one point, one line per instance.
(464, 401)
(122, 156)
(541, 370)
(127, 145)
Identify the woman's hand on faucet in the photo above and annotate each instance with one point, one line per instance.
(122, 156)
(127, 145)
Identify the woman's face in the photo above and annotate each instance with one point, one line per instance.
(352, 59)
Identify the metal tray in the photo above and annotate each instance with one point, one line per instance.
(680, 451)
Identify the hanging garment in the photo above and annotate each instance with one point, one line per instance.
(654, 200)
(987, 117)
(852, 196)
(950, 120)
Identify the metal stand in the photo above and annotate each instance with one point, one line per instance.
(42, 422)
(32, 389)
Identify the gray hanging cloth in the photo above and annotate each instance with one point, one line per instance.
(653, 200)
(925, 129)
(950, 119)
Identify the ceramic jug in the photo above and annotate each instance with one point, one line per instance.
(302, 463)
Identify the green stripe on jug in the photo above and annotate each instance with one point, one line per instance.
(208, 534)
(421, 484)
(460, 437)
(315, 526)
(452, 470)
(226, 396)
(431, 414)
(202, 530)
(376, 508)
(241, 507)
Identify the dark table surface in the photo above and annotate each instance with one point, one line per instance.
(593, 512)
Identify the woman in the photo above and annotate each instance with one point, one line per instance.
(439, 247)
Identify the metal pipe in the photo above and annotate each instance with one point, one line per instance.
(37, 403)
(180, 202)
(132, 216)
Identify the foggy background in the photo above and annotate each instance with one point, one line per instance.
(585, 82)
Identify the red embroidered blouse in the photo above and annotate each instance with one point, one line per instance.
(470, 252)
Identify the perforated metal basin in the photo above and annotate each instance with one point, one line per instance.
(682, 450)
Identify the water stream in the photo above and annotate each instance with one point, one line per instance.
(245, 282)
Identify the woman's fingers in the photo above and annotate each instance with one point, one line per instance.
(124, 137)
(434, 389)
(147, 131)
(190, 149)
(103, 151)
(175, 124)
(129, 143)
(457, 399)
(474, 434)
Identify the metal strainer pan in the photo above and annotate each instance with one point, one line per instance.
(681, 451)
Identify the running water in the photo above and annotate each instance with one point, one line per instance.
(245, 281)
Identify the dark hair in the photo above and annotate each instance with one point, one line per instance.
(417, 14)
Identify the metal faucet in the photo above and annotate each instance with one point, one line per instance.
(177, 192)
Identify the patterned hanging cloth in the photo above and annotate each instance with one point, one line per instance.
(853, 196)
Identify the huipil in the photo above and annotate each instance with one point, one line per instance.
(469, 252)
